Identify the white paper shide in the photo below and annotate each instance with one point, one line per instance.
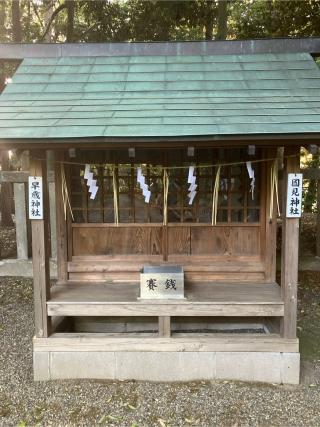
(35, 197)
(91, 183)
(193, 186)
(294, 195)
(141, 180)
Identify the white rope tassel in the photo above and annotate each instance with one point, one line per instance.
(65, 194)
(165, 196)
(274, 189)
(215, 196)
(115, 197)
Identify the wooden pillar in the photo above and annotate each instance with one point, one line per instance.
(289, 253)
(318, 220)
(21, 220)
(61, 225)
(52, 201)
(164, 326)
(40, 251)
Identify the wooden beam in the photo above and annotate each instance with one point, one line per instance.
(18, 51)
(289, 256)
(14, 176)
(61, 226)
(40, 252)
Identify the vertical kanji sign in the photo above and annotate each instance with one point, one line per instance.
(35, 197)
(294, 195)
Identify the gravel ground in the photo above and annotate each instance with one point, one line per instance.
(90, 403)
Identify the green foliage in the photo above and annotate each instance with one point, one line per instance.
(152, 20)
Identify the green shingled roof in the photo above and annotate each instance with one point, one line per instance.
(160, 96)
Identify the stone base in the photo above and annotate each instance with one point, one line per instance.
(269, 367)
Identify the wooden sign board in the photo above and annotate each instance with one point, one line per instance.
(294, 195)
(35, 197)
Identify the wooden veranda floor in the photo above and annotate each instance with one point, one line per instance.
(202, 299)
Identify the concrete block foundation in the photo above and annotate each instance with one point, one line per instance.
(268, 367)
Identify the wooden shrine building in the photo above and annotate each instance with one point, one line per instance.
(162, 108)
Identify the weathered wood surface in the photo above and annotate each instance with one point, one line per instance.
(270, 234)
(20, 220)
(164, 326)
(289, 256)
(14, 176)
(40, 254)
(147, 240)
(318, 220)
(207, 299)
(61, 226)
(52, 202)
(218, 342)
(196, 268)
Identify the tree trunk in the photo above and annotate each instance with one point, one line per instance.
(16, 21)
(6, 194)
(70, 25)
(222, 29)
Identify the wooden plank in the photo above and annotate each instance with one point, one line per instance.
(61, 226)
(40, 253)
(216, 342)
(164, 326)
(178, 240)
(21, 220)
(14, 176)
(117, 241)
(289, 256)
(207, 299)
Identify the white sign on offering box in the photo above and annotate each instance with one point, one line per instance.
(35, 197)
(294, 195)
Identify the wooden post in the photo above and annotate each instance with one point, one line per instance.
(270, 244)
(61, 226)
(40, 251)
(290, 252)
(21, 220)
(318, 220)
(164, 326)
(52, 202)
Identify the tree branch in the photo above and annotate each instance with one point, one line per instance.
(52, 17)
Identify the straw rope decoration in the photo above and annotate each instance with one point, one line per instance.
(274, 189)
(215, 196)
(115, 196)
(274, 185)
(65, 194)
(165, 196)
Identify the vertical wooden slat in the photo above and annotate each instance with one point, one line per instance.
(52, 202)
(21, 220)
(269, 231)
(61, 227)
(164, 326)
(40, 251)
(290, 252)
